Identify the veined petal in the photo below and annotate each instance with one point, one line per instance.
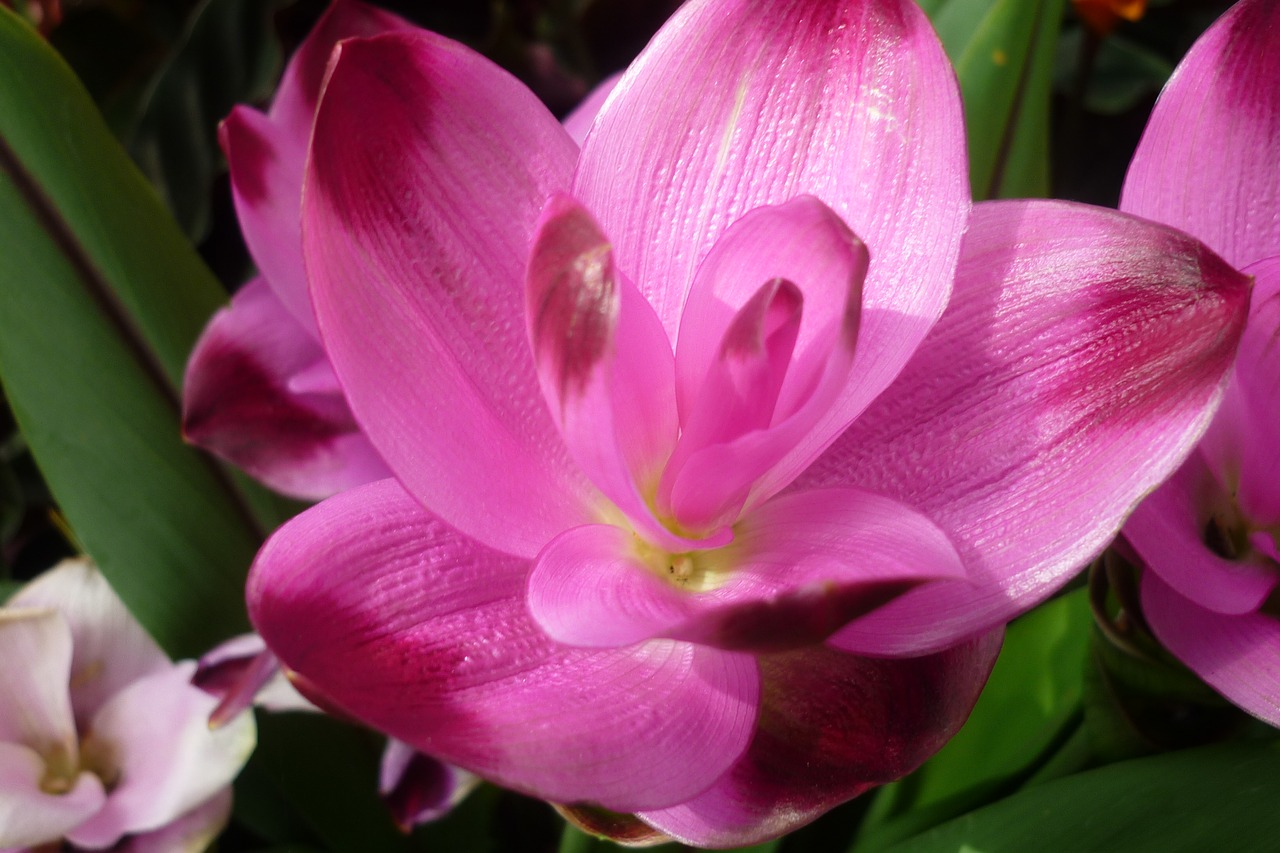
(242, 401)
(390, 615)
(266, 154)
(1168, 531)
(35, 668)
(1235, 654)
(154, 737)
(429, 167)
(831, 726)
(1243, 442)
(799, 567)
(735, 105)
(31, 816)
(1209, 160)
(603, 360)
(109, 649)
(1078, 364)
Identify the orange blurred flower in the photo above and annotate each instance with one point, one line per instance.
(1102, 16)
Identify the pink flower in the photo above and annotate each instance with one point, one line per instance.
(259, 391)
(243, 673)
(704, 510)
(102, 738)
(1209, 163)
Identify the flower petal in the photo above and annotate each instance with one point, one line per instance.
(266, 154)
(35, 668)
(109, 649)
(1237, 655)
(390, 615)
(31, 816)
(1209, 160)
(799, 568)
(831, 726)
(1168, 532)
(603, 360)
(759, 383)
(193, 832)
(1077, 366)
(155, 735)
(416, 230)
(735, 105)
(241, 401)
(1243, 443)
(418, 788)
(578, 122)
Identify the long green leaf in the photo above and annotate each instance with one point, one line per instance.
(101, 298)
(1031, 703)
(1003, 51)
(1213, 798)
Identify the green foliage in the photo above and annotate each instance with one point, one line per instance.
(1211, 798)
(1004, 57)
(1030, 706)
(101, 298)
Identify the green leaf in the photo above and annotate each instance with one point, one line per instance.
(1031, 704)
(327, 771)
(1003, 51)
(1212, 798)
(228, 55)
(101, 298)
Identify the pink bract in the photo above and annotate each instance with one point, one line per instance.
(259, 390)
(1209, 163)
(724, 444)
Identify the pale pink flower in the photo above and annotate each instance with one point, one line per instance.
(1209, 163)
(720, 447)
(103, 740)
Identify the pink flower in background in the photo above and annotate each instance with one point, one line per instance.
(259, 391)
(243, 673)
(720, 447)
(103, 741)
(1209, 163)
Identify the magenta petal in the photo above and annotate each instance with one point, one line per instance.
(603, 360)
(799, 568)
(578, 122)
(735, 105)
(1243, 443)
(417, 788)
(241, 401)
(1168, 532)
(266, 154)
(1209, 160)
(764, 359)
(1237, 655)
(1075, 369)
(831, 726)
(392, 616)
(416, 230)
